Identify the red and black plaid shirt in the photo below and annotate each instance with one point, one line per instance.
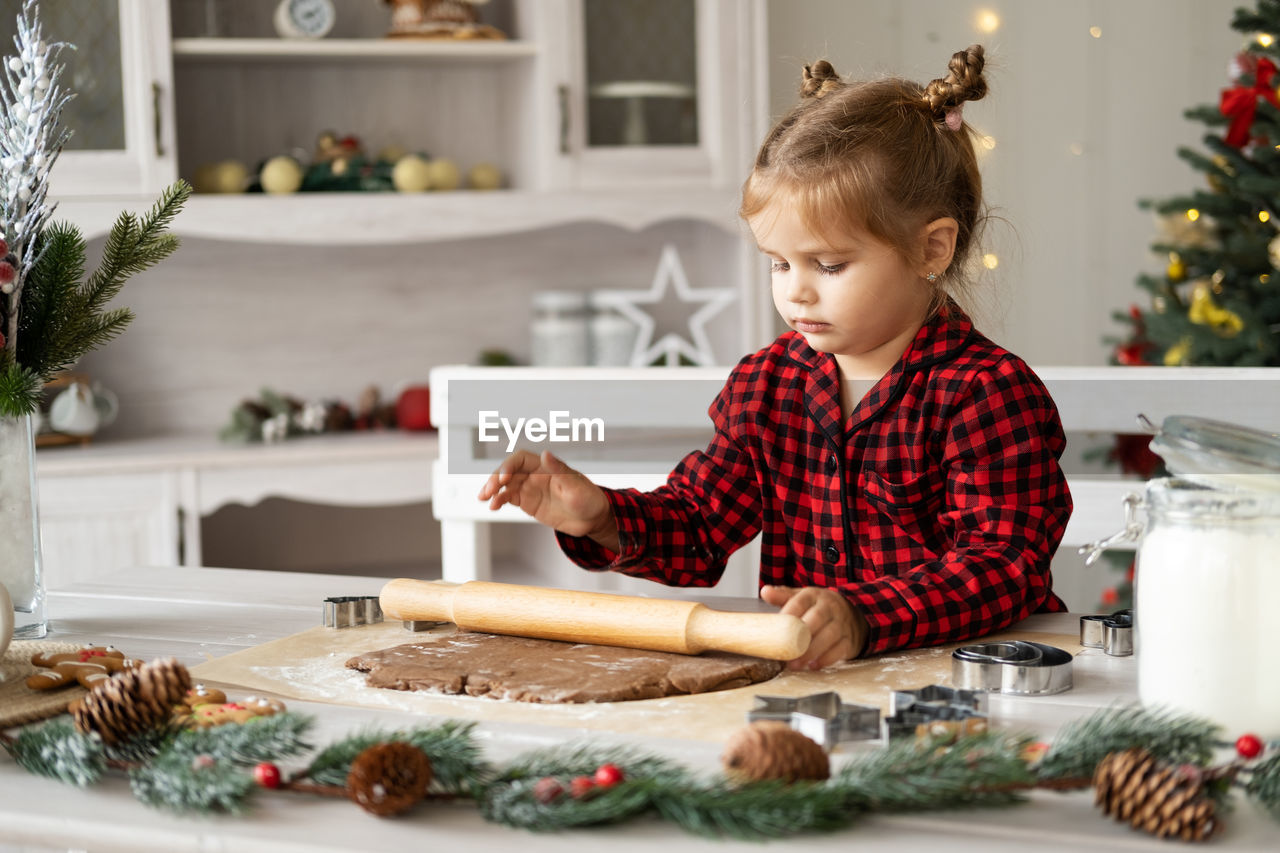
(935, 509)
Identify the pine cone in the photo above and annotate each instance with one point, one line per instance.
(773, 750)
(389, 778)
(134, 701)
(1168, 802)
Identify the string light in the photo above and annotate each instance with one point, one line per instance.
(1076, 148)
(1193, 214)
(1264, 216)
(1264, 278)
(1096, 32)
(988, 21)
(990, 261)
(1266, 39)
(989, 142)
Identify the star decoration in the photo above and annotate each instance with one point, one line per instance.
(670, 274)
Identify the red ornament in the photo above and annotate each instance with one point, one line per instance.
(1249, 746)
(7, 272)
(547, 790)
(1132, 355)
(608, 775)
(581, 786)
(1110, 596)
(267, 775)
(2, 340)
(1241, 103)
(413, 408)
(4, 247)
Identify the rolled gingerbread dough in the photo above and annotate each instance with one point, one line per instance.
(529, 670)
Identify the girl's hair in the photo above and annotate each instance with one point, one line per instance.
(885, 155)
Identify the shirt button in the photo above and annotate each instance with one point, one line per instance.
(832, 464)
(833, 554)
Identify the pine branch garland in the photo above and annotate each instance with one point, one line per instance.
(1080, 745)
(759, 810)
(58, 751)
(456, 760)
(1264, 784)
(181, 784)
(265, 739)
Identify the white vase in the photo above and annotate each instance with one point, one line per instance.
(20, 570)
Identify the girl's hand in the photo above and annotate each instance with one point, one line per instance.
(838, 631)
(553, 494)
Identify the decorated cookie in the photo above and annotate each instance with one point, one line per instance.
(89, 666)
(200, 695)
(204, 716)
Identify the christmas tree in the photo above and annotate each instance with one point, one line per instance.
(1218, 301)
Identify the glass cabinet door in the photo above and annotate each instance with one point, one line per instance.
(641, 72)
(120, 118)
(651, 93)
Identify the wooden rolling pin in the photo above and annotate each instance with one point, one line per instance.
(664, 625)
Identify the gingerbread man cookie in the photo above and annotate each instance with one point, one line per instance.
(204, 716)
(89, 666)
(200, 695)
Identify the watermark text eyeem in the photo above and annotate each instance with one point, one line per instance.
(559, 426)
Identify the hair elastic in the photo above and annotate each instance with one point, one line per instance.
(953, 117)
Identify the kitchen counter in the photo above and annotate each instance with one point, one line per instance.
(196, 614)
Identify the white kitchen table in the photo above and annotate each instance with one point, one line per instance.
(195, 614)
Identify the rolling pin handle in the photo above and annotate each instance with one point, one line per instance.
(765, 635)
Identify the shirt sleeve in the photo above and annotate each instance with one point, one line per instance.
(1006, 504)
(682, 533)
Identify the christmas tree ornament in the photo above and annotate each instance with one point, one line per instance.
(1249, 746)
(1205, 312)
(547, 790)
(1240, 104)
(389, 778)
(281, 175)
(267, 775)
(484, 176)
(1178, 354)
(581, 787)
(443, 174)
(773, 750)
(608, 775)
(1176, 270)
(134, 702)
(411, 174)
(1167, 802)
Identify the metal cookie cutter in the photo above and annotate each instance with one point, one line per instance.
(910, 709)
(1113, 634)
(821, 717)
(347, 611)
(1017, 667)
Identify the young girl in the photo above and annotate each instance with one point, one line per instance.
(902, 468)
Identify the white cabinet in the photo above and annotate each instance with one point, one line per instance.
(121, 119)
(670, 139)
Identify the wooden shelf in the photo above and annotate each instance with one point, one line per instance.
(356, 50)
(394, 218)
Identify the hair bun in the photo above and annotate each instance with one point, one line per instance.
(819, 79)
(964, 81)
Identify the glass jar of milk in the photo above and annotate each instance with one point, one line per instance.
(1207, 583)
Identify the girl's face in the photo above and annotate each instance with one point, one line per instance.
(849, 294)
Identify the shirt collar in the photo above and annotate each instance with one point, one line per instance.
(939, 339)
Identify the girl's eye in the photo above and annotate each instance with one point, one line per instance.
(778, 266)
(830, 269)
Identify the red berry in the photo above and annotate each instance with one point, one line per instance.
(581, 786)
(267, 775)
(547, 790)
(7, 272)
(1249, 746)
(4, 248)
(608, 775)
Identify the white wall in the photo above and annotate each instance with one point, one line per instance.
(1076, 239)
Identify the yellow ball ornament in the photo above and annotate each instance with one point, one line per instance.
(484, 176)
(229, 176)
(281, 175)
(411, 174)
(444, 174)
(1177, 270)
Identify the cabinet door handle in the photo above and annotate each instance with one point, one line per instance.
(155, 115)
(562, 92)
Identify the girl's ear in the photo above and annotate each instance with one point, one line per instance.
(939, 241)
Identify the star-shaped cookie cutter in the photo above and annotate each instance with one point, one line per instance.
(911, 708)
(822, 717)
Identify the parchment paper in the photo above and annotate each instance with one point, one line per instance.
(310, 666)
